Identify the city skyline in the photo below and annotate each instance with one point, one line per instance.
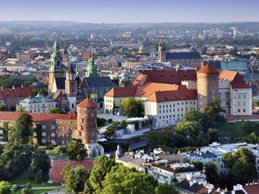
(134, 11)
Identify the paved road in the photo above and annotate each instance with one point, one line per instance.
(103, 129)
(51, 187)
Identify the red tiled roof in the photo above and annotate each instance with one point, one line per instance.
(150, 88)
(16, 92)
(121, 92)
(86, 55)
(38, 117)
(45, 80)
(251, 189)
(86, 103)
(236, 81)
(208, 70)
(164, 76)
(182, 93)
(23, 91)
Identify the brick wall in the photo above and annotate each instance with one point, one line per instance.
(55, 173)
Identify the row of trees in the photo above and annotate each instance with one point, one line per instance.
(107, 177)
(197, 129)
(132, 107)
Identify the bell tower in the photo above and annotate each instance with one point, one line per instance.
(161, 51)
(55, 68)
(92, 68)
(71, 88)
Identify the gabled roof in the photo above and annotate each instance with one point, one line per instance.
(100, 82)
(86, 103)
(70, 69)
(60, 82)
(182, 93)
(208, 70)
(164, 76)
(235, 79)
(122, 92)
(183, 55)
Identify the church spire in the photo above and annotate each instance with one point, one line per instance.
(92, 68)
(56, 59)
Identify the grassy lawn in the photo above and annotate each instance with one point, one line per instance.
(42, 191)
(23, 178)
(232, 129)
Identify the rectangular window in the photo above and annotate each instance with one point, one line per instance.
(53, 134)
(238, 110)
(244, 96)
(239, 103)
(43, 134)
(244, 110)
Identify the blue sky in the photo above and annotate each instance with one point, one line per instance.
(126, 11)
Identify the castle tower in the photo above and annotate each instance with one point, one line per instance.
(207, 86)
(55, 68)
(71, 88)
(65, 59)
(92, 68)
(161, 51)
(87, 127)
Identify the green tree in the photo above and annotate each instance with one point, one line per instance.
(166, 189)
(22, 130)
(189, 128)
(214, 113)
(5, 187)
(39, 167)
(132, 107)
(214, 135)
(74, 178)
(198, 165)
(102, 166)
(241, 165)
(193, 116)
(56, 111)
(251, 138)
(21, 109)
(124, 180)
(76, 150)
(211, 173)
(3, 107)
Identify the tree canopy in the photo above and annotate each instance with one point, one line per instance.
(74, 177)
(56, 111)
(76, 150)
(22, 130)
(132, 107)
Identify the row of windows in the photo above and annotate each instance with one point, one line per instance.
(174, 110)
(166, 106)
(41, 105)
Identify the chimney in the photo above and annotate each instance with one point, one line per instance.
(13, 87)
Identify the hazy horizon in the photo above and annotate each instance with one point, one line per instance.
(134, 11)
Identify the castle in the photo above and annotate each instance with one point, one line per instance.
(168, 94)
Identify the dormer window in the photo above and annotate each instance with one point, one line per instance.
(57, 63)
